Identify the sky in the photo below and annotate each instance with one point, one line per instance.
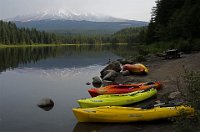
(128, 9)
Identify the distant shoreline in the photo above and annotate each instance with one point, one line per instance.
(50, 45)
(35, 45)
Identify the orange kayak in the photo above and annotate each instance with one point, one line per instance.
(123, 88)
(136, 68)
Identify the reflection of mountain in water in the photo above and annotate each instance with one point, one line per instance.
(81, 60)
(54, 74)
(61, 56)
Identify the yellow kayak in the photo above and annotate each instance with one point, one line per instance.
(117, 99)
(128, 114)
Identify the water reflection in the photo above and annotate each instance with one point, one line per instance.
(59, 73)
(21, 89)
(153, 126)
(56, 74)
(46, 104)
(66, 56)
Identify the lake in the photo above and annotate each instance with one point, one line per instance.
(29, 74)
(60, 73)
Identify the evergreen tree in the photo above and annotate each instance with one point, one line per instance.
(174, 19)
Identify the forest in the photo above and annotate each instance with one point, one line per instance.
(175, 21)
(173, 24)
(10, 34)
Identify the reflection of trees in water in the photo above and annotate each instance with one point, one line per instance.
(12, 57)
(126, 51)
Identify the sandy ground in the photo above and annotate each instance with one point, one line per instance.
(166, 71)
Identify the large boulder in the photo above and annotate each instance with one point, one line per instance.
(126, 61)
(115, 65)
(96, 81)
(126, 73)
(105, 72)
(46, 104)
(111, 75)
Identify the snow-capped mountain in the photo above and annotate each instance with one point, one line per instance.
(67, 21)
(62, 14)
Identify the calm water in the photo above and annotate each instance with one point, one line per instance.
(60, 73)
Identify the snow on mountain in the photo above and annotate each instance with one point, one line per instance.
(62, 14)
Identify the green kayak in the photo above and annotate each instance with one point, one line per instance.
(117, 99)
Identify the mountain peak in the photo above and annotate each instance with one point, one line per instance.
(63, 14)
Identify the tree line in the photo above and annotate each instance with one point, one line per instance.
(128, 35)
(174, 20)
(11, 34)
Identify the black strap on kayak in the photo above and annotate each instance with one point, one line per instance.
(150, 106)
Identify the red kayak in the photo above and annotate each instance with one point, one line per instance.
(123, 88)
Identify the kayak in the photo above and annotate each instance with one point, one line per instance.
(119, 114)
(117, 99)
(124, 88)
(136, 68)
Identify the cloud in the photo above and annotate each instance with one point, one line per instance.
(131, 9)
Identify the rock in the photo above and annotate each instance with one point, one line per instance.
(88, 83)
(46, 104)
(111, 75)
(96, 80)
(105, 72)
(107, 82)
(126, 73)
(97, 85)
(115, 65)
(108, 61)
(125, 61)
(174, 95)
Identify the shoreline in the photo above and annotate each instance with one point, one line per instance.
(169, 72)
(36, 45)
(52, 45)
